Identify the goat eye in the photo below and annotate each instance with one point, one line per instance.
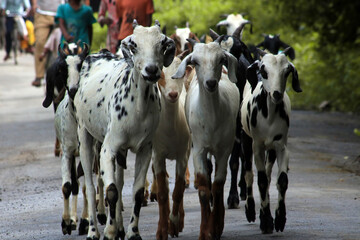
(263, 72)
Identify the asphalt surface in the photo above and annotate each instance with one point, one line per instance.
(323, 198)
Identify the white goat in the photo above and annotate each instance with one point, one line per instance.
(232, 22)
(171, 141)
(211, 107)
(118, 105)
(180, 36)
(265, 113)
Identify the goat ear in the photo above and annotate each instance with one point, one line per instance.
(295, 79)
(124, 46)
(231, 64)
(169, 52)
(222, 23)
(251, 74)
(49, 87)
(182, 67)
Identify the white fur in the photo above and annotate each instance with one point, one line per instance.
(129, 123)
(211, 111)
(172, 137)
(232, 22)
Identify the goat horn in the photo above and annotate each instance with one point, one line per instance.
(135, 24)
(213, 34)
(191, 41)
(183, 54)
(286, 51)
(238, 30)
(187, 24)
(85, 51)
(157, 23)
(261, 52)
(61, 51)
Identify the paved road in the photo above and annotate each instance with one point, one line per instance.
(323, 200)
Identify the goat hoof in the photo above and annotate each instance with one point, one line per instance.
(250, 210)
(136, 237)
(73, 225)
(101, 218)
(153, 197)
(280, 220)
(66, 228)
(233, 201)
(266, 222)
(83, 227)
(93, 238)
(121, 235)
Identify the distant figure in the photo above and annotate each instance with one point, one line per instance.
(14, 10)
(44, 13)
(111, 20)
(75, 20)
(51, 45)
(128, 10)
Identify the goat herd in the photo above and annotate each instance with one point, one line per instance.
(162, 102)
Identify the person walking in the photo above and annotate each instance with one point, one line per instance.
(44, 12)
(111, 20)
(14, 10)
(75, 20)
(128, 10)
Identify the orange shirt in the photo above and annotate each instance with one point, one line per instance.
(129, 10)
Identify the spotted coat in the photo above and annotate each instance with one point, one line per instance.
(117, 104)
(265, 113)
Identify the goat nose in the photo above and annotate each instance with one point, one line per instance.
(211, 84)
(151, 70)
(277, 95)
(173, 95)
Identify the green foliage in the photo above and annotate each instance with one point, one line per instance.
(324, 34)
(99, 36)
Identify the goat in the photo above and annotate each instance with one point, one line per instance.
(171, 141)
(272, 43)
(180, 36)
(117, 104)
(265, 113)
(56, 76)
(236, 47)
(65, 72)
(232, 22)
(211, 107)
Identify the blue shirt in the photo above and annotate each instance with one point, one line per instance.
(15, 7)
(76, 22)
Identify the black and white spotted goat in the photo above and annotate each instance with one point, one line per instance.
(59, 73)
(265, 113)
(211, 107)
(117, 104)
(66, 133)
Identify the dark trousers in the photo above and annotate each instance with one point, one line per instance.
(10, 24)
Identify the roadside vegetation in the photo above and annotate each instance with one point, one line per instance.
(324, 34)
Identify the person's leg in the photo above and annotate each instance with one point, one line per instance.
(42, 27)
(8, 40)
